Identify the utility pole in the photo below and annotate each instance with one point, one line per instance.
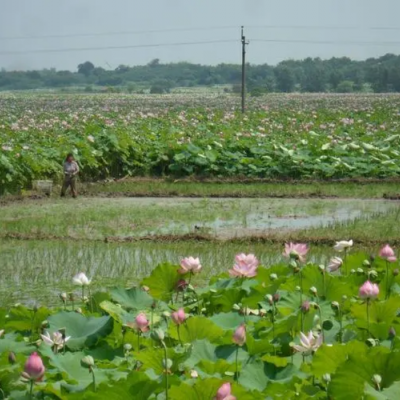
(244, 44)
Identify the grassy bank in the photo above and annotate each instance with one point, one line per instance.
(320, 189)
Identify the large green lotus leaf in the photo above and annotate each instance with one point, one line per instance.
(328, 358)
(132, 299)
(23, 319)
(117, 312)
(162, 281)
(93, 306)
(137, 386)
(76, 377)
(381, 316)
(201, 390)
(231, 320)
(328, 287)
(257, 347)
(152, 359)
(197, 328)
(352, 376)
(253, 376)
(84, 331)
(216, 369)
(203, 350)
(224, 300)
(10, 342)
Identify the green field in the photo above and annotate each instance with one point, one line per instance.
(164, 178)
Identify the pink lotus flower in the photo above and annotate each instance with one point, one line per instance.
(297, 251)
(308, 344)
(245, 266)
(335, 264)
(388, 254)
(141, 322)
(190, 264)
(224, 392)
(178, 316)
(34, 368)
(239, 337)
(369, 290)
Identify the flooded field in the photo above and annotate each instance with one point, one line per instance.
(95, 219)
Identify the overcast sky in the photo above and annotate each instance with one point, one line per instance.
(27, 26)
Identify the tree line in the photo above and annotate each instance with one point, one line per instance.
(341, 75)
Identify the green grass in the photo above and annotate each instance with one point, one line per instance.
(158, 187)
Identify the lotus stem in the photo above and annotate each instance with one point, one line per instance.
(237, 368)
(31, 390)
(179, 333)
(387, 281)
(166, 369)
(368, 317)
(138, 341)
(94, 378)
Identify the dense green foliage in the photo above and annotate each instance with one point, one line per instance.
(280, 137)
(341, 75)
(124, 344)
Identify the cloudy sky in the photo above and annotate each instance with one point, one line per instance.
(48, 34)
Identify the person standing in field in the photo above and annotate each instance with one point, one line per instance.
(71, 170)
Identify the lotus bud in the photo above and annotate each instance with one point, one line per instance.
(297, 288)
(335, 305)
(12, 359)
(45, 324)
(377, 379)
(87, 362)
(360, 271)
(85, 299)
(239, 337)
(371, 342)
(305, 307)
(270, 299)
(127, 347)
(145, 288)
(263, 312)
(158, 334)
(344, 297)
(321, 267)
(236, 307)
(395, 272)
(273, 277)
(203, 310)
(372, 274)
(64, 297)
(313, 291)
(366, 263)
(79, 310)
(326, 378)
(277, 297)
(166, 314)
(194, 374)
(353, 271)
(167, 364)
(392, 333)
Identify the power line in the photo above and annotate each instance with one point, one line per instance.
(77, 49)
(121, 33)
(80, 49)
(141, 32)
(351, 43)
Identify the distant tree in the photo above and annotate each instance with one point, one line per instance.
(131, 88)
(154, 63)
(284, 78)
(86, 68)
(345, 87)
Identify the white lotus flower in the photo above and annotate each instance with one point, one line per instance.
(308, 344)
(343, 245)
(90, 138)
(81, 279)
(57, 342)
